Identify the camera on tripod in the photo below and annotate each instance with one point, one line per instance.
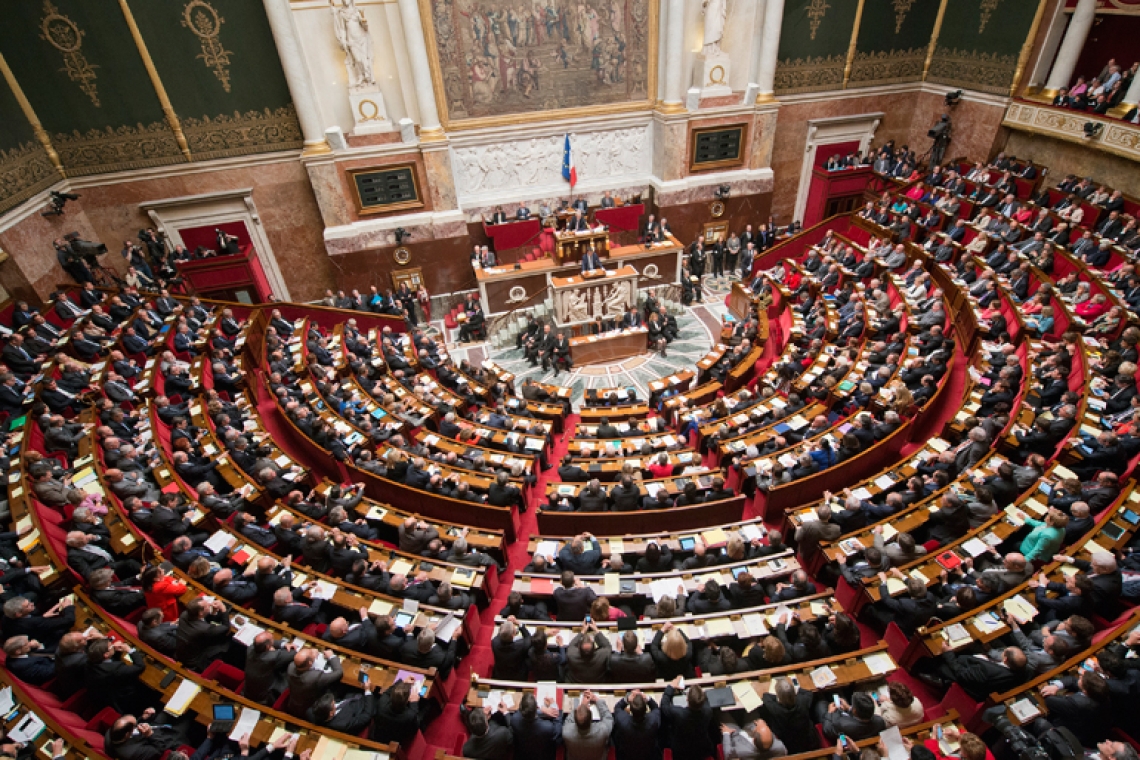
(85, 249)
(56, 202)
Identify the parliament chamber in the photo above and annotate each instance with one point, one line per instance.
(631, 379)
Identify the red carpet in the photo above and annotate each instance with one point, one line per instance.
(447, 731)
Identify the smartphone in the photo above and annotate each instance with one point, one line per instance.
(835, 699)
(938, 731)
(364, 679)
(843, 740)
(589, 620)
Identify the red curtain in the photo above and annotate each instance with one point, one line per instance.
(621, 218)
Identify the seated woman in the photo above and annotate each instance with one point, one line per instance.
(1041, 324)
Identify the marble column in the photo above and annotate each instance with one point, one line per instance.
(769, 50)
(1132, 95)
(757, 52)
(280, 17)
(430, 128)
(674, 52)
(1071, 46)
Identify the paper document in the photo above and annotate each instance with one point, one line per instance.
(182, 697)
(746, 695)
(879, 663)
(245, 723)
(892, 741)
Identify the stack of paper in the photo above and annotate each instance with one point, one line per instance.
(879, 663)
(824, 677)
(182, 697)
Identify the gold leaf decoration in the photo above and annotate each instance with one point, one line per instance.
(200, 18)
(117, 148)
(243, 133)
(902, 7)
(62, 34)
(987, 7)
(886, 67)
(24, 171)
(810, 74)
(987, 72)
(816, 10)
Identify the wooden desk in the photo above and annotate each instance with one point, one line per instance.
(609, 347)
(570, 247)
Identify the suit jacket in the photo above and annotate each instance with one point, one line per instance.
(981, 677)
(538, 738)
(306, 686)
(511, 658)
(637, 740)
(202, 641)
(632, 668)
(33, 668)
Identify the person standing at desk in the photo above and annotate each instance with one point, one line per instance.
(608, 200)
(697, 256)
(523, 213)
(498, 217)
(652, 230)
(578, 222)
(580, 205)
(591, 262)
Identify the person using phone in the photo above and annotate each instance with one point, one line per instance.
(856, 720)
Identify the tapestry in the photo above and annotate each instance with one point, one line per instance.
(498, 58)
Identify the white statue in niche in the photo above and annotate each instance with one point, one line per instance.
(617, 299)
(715, 13)
(577, 306)
(352, 33)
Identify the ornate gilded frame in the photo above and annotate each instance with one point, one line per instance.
(696, 132)
(428, 20)
(363, 210)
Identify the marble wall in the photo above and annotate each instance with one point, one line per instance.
(32, 271)
(108, 211)
(1069, 158)
(907, 115)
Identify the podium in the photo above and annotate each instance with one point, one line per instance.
(569, 247)
(236, 277)
(835, 192)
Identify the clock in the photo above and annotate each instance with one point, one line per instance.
(717, 209)
(402, 255)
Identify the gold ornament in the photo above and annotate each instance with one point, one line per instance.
(402, 255)
(200, 17)
(63, 35)
(902, 7)
(988, 7)
(816, 10)
(717, 209)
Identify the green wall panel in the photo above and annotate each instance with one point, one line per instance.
(24, 165)
(980, 42)
(219, 65)
(78, 65)
(894, 36)
(813, 45)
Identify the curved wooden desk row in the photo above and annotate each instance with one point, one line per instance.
(655, 585)
(743, 624)
(642, 521)
(837, 672)
(1031, 690)
(635, 543)
(979, 622)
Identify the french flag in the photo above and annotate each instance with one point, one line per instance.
(569, 172)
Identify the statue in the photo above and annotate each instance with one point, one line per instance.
(715, 13)
(577, 306)
(352, 33)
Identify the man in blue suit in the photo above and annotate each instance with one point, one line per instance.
(591, 261)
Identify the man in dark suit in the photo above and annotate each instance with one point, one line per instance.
(982, 676)
(788, 714)
(510, 653)
(637, 726)
(117, 680)
(536, 731)
(489, 739)
(130, 739)
(578, 222)
(266, 662)
(499, 217)
(24, 662)
(349, 716)
(569, 472)
(203, 633)
(559, 354)
(573, 599)
(911, 610)
(631, 664)
(306, 682)
(591, 261)
(20, 620)
(423, 652)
